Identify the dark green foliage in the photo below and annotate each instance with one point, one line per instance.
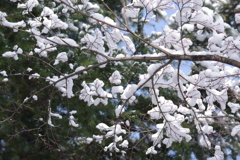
(228, 11)
(23, 135)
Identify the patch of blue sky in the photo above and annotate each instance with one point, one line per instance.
(238, 157)
(186, 67)
(62, 110)
(155, 26)
(171, 153)
(228, 152)
(135, 135)
(193, 157)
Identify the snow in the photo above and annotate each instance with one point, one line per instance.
(4, 73)
(71, 65)
(207, 129)
(35, 97)
(29, 69)
(73, 112)
(107, 40)
(29, 5)
(119, 110)
(89, 140)
(234, 107)
(235, 130)
(56, 115)
(102, 127)
(129, 43)
(124, 144)
(35, 75)
(218, 154)
(10, 54)
(183, 110)
(14, 25)
(115, 78)
(129, 91)
(188, 27)
(69, 87)
(167, 142)
(237, 18)
(117, 89)
(216, 38)
(151, 150)
(127, 123)
(61, 41)
(130, 12)
(204, 142)
(5, 80)
(98, 138)
(61, 57)
(72, 122)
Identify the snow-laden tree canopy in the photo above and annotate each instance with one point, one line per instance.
(195, 34)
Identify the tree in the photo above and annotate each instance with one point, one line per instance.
(91, 79)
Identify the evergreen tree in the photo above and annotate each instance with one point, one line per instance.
(69, 50)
